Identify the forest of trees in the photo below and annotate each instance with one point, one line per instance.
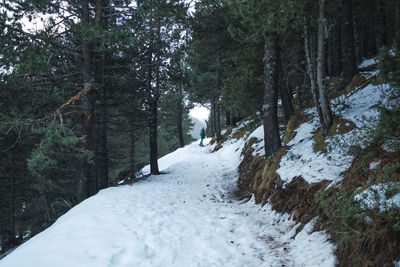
(97, 92)
(105, 86)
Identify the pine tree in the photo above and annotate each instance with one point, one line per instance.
(207, 61)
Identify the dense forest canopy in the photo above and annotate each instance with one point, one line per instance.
(92, 94)
(104, 87)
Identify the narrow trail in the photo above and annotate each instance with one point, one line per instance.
(185, 217)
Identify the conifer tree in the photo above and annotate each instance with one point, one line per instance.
(207, 59)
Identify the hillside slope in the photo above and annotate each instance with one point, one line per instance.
(348, 179)
(185, 217)
(190, 216)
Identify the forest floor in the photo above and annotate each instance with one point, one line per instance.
(187, 216)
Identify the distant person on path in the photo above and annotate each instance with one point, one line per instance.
(202, 136)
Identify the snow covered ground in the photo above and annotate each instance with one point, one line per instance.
(185, 217)
(301, 159)
(359, 107)
(375, 197)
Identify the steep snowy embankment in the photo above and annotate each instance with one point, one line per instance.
(359, 107)
(186, 217)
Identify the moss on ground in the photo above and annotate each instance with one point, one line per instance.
(246, 130)
(224, 137)
(239, 133)
(364, 237)
(295, 121)
(248, 169)
(339, 126)
(269, 178)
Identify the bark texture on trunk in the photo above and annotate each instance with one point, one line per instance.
(397, 20)
(286, 98)
(358, 43)
(272, 141)
(348, 48)
(310, 58)
(153, 139)
(102, 120)
(88, 104)
(321, 75)
(102, 165)
(227, 118)
(153, 109)
(179, 126)
(217, 101)
(132, 151)
(13, 240)
(284, 92)
(382, 33)
(213, 128)
(301, 70)
(218, 121)
(371, 40)
(8, 232)
(336, 50)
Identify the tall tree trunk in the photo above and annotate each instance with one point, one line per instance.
(217, 103)
(286, 98)
(300, 67)
(336, 48)
(397, 20)
(272, 141)
(212, 116)
(311, 71)
(13, 240)
(153, 98)
(321, 76)
(369, 43)
(88, 103)
(348, 48)
(89, 127)
(284, 92)
(218, 121)
(153, 139)
(179, 125)
(132, 130)
(329, 53)
(358, 42)
(371, 40)
(103, 150)
(227, 118)
(381, 29)
(132, 151)
(85, 44)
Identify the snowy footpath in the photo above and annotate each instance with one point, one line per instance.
(185, 217)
